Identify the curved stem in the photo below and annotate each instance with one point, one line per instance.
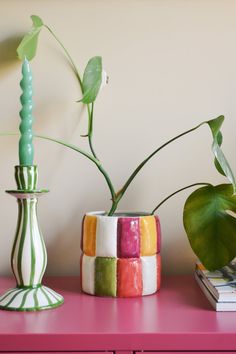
(179, 190)
(90, 157)
(68, 56)
(90, 132)
(90, 125)
(82, 152)
(120, 194)
(90, 113)
(91, 146)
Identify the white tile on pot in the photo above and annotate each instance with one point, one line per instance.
(88, 274)
(149, 274)
(106, 236)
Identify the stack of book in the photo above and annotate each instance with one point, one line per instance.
(218, 286)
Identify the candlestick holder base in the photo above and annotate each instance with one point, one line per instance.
(31, 298)
(29, 256)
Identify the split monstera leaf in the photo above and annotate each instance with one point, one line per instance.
(209, 212)
(210, 223)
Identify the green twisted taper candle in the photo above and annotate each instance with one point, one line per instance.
(26, 149)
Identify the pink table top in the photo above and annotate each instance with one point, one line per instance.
(177, 318)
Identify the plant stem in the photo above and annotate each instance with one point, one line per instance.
(130, 179)
(114, 206)
(82, 152)
(90, 132)
(90, 113)
(179, 190)
(68, 56)
(90, 157)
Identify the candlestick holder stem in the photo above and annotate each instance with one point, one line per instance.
(29, 256)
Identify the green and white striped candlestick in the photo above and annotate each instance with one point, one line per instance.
(29, 256)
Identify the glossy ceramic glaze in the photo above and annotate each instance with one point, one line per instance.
(29, 256)
(121, 254)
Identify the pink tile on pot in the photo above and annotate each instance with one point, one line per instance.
(158, 226)
(128, 237)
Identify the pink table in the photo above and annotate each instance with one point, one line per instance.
(179, 318)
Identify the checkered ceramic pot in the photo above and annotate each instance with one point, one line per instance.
(121, 254)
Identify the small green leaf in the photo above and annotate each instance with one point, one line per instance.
(221, 162)
(37, 21)
(220, 138)
(92, 80)
(210, 223)
(217, 165)
(215, 125)
(28, 46)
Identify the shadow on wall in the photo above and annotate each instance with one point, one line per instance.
(64, 251)
(8, 55)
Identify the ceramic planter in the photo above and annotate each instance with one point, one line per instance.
(29, 256)
(121, 254)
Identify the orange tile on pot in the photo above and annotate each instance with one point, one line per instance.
(89, 235)
(148, 236)
(129, 277)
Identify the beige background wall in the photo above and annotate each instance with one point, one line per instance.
(172, 64)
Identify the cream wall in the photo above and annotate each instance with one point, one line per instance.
(171, 65)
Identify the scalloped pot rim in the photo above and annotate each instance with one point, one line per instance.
(122, 214)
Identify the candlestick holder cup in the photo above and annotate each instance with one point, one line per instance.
(29, 256)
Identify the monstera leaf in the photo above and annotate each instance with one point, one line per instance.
(210, 223)
(221, 162)
(28, 46)
(92, 80)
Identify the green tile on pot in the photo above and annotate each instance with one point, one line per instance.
(105, 276)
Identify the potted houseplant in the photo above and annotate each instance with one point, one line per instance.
(134, 238)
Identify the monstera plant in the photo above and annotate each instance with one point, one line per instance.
(208, 215)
